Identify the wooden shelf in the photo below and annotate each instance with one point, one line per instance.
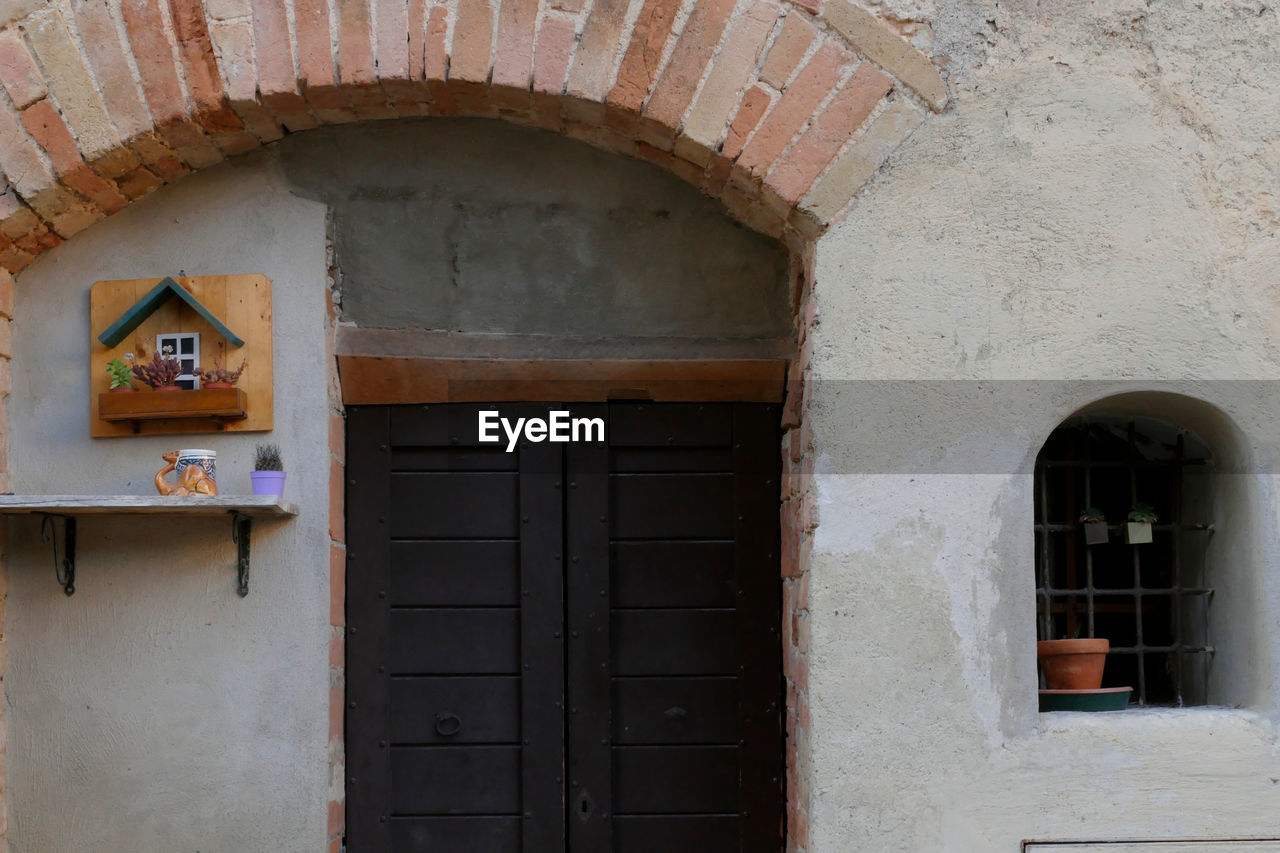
(217, 404)
(240, 509)
(252, 506)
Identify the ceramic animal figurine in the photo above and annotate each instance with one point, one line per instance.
(194, 480)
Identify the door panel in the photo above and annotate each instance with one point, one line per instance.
(571, 647)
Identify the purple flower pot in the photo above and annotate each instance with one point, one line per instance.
(268, 482)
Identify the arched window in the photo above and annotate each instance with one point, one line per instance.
(1149, 598)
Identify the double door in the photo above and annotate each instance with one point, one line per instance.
(569, 646)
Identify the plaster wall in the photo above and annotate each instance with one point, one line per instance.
(155, 709)
(1093, 214)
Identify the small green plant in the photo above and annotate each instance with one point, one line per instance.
(1143, 513)
(1092, 515)
(121, 374)
(267, 458)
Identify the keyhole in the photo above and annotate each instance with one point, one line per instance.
(585, 807)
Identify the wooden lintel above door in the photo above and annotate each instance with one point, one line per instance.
(380, 380)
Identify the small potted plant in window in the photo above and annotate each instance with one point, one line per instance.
(1073, 664)
(1138, 529)
(268, 471)
(161, 373)
(219, 377)
(1095, 526)
(121, 376)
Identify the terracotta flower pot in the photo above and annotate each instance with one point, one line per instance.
(123, 389)
(168, 388)
(216, 385)
(1073, 664)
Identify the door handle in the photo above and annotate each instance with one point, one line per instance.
(448, 724)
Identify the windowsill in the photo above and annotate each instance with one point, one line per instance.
(1150, 719)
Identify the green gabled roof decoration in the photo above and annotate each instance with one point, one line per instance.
(146, 306)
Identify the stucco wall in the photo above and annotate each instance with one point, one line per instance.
(1097, 203)
(155, 709)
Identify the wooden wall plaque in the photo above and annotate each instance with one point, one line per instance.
(241, 302)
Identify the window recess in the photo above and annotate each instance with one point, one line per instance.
(1150, 600)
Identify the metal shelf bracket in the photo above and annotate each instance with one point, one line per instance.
(241, 525)
(64, 571)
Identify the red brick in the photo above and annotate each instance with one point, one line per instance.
(693, 51)
(204, 83)
(272, 48)
(337, 818)
(315, 51)
(337, 495)
(593, 62)
(6, 296)
(788, 49)
(393, 46)
(97, 189)
(795, 108)
(18, 71)
(355, 42)
(151, 50)
(513, 64)
(754, 104)
(139, 182)
(48, 129)
(417, 37)
(435, 56)
(643, 59)
(337, 584)
(337, 646)
(810, 155)
(472, 35)
(106, 55)
(551, 61)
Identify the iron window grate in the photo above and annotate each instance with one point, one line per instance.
(1152, 600)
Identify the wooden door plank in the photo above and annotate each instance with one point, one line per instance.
(677, 834)
(587, 523)
(665, 711)
(756, 556)
(462, 780)
(452, 710)
(675, 642)
(542, 644)
(476, 573)
(455, 640)
(455, 834)
(676, 779)
(367, 645)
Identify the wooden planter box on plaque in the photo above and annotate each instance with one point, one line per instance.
(218, 405)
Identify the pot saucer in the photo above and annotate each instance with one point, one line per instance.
(1101, 699)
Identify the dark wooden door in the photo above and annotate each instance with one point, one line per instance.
(567, 647)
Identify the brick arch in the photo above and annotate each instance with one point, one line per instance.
(781, 111)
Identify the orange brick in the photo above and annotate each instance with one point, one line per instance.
(393, 44)
(337, 585)
(788, 49)
(106, 55)
(843, 116)
(6, 295)
(315, 52)
(643, 59)
(513, 64)
(693, 50)
(18, 71)
(417, 37)
(593, 62)
(754, 104)
(152, 51)
(337, 818)
(355, 42)
(48, 129)
(795, 108)
(337, 495)
(472, 34)
(551, 60)
(204, 82)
